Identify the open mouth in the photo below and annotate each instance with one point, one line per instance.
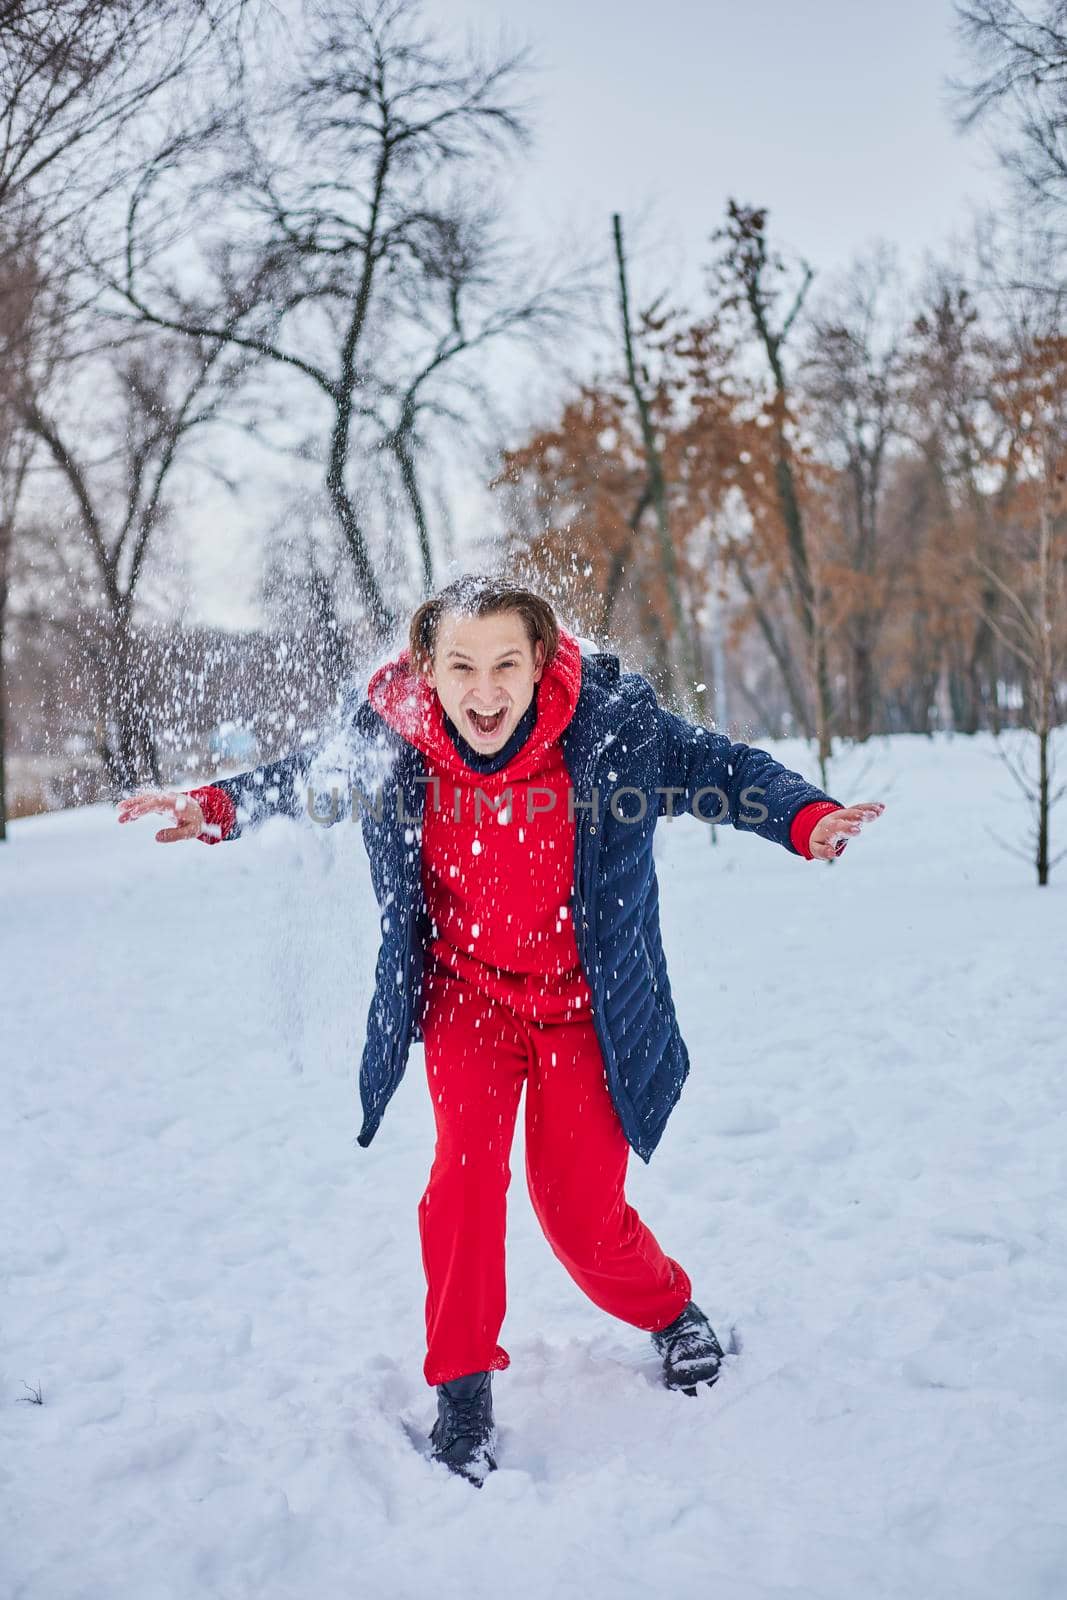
(487, 726)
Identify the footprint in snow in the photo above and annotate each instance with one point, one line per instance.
(742, 1118)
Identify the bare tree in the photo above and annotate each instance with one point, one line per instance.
(1031, 626)
(852, 372)
(969, 454)
(1020, 85)
(21, 293)
(654, 494)
(748, 277)
(116, 488)
(362, 266)
(1030, 621)
(73, 76)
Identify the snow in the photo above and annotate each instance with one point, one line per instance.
(221, 1297)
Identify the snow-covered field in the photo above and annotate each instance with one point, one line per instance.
(221, 1298)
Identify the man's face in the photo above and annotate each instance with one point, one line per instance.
(484, 670)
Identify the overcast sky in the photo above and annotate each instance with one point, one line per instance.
(834, 114)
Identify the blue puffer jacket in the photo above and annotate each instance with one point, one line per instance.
(619, 738)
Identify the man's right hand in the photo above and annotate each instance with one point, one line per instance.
(188, 817)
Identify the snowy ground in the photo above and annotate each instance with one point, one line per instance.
(220, 1296)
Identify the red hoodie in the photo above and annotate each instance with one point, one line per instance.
(498, 848)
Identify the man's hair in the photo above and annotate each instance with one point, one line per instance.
(476, 595)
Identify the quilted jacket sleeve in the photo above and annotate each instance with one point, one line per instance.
(275, 788)
(316, 781)
(718, 781)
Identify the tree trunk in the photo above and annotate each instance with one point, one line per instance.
(863, 686)
(779, 650)
(6, 536)
(662, 649)
(719, 686)
(656, 481)
(406, 462)
(807, 599)
(957, 700)
(1046, 669)
(763, 716)
(612, 589)
(379, 617)
(133, 756)
(1042, 809)
(617, 569)
(3, 722)
(979, 665)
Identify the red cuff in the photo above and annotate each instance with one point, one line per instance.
(803, 825)
(220, 813)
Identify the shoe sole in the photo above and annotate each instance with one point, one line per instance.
(691, 1388)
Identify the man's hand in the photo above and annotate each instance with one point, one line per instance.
(188, 817)
(840, 825)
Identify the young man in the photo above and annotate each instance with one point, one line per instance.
(509, 830)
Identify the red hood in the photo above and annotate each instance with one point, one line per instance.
(410, 705)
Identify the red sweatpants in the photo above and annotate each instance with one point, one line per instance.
(478, 1055)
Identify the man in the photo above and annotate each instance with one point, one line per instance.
(510, 840)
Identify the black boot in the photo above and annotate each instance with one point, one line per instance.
(691, 1353)
(463, 1437)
